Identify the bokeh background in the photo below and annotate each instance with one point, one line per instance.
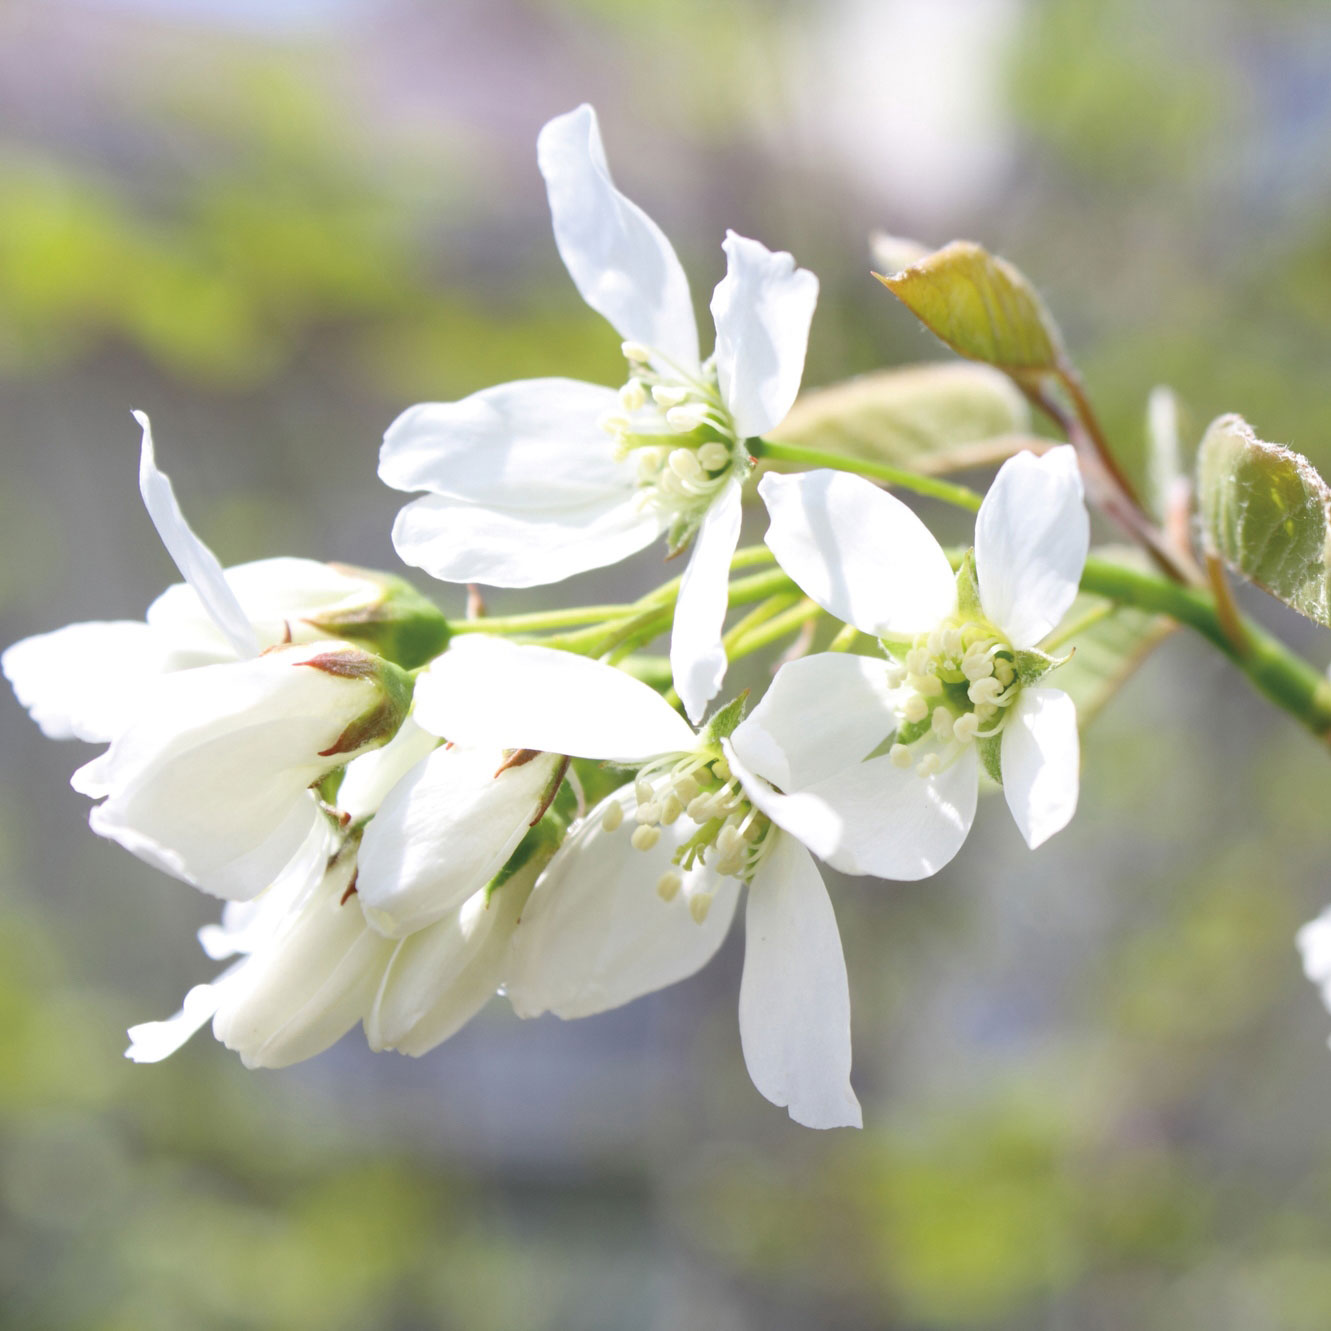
(1097, 1090)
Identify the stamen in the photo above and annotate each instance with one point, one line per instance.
(668, 885)
(645, 837)
(613, 816)
(699, 904)
(900, 755)
(636, 352)
(633, 396)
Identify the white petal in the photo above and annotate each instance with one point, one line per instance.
(86, 681)
(873, 817)
(368, 779)
(1031, 538)
(1041, 760)
(441, 977)
(762, 307)
(532, 445)
(211, 784)
(279, 598)
(197, 564)
(697, 659)
(596, 935)
(488, 691)
(459, 542)
(1314, 943)
(820, 714)
(310, 983)
(619, 259)
(794, 998)
(152, 1041)
(444, 831)
(859, 552)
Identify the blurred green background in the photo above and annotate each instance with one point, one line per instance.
(1096, 1087)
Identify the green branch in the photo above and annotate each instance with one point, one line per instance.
(958, 495)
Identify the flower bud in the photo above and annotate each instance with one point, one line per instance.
(211, 782)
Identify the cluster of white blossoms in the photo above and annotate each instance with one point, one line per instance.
(391, 813)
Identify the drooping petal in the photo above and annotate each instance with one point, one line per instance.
(859, 552)
(86, 681)
(211, 783)
(278, 598)
(697, 659)
(762, 307)
(874, 818)
(486, 690)
(794, 998)
(311, 982)
(1031, 538)
(197, 564)
(152, 1041)
(595, 933)
(1040, 760)
(619, 259)
(459, 542)
(1314, 943)
(444, 831)
(529, 446)
(440, 977)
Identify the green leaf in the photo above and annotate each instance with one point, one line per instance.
(982, 307)
(929, 418)
(1108, 643)
(1267, 514)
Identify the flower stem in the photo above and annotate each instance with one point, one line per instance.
(959, 495)
(1273, 669)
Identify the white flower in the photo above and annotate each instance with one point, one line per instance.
(309, 969)
(1314, 943)
(643, 890)
(533, 481)
(311, 964)
(837, 737)
(211, 783)
(88, 681)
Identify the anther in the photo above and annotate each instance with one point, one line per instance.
(636, 352)
(965, 726)
(977, 666)
(713, 456)
(613, 816)
(669, 395)
(1004, 671)
(645, 837)
(700, 808)
(633, 396)
(684, 463)
(941, 723)
(686, 419)
(699, 904)
(915, 709)
(900, 755)
(929, 764)
(668, 885)
(671, 809)
(984, 690)
(929, 685)
(917, 661)
(648, 813)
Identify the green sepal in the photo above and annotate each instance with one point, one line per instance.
(724, 721)
(538, 846)
(402, 626)
(968, 588)
(381, 721)
(1032, 665)
(991, 751)
(910, 731)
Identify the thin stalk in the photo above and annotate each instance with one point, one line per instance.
(760, 614)
(1274, 671)
(775, 628)
(958, 495)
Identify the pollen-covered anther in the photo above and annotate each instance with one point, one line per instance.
(699, 905)
(612, 817)
(900, 755)
(668, 885)
(645, 837)
(986, 690)
(965, 727)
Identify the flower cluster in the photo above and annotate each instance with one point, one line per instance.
(389, 803)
